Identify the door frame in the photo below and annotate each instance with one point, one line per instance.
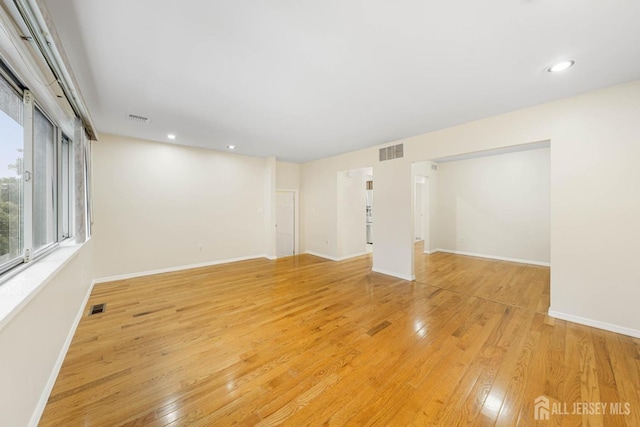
(426, 211)
(418, 204)
(296, 216)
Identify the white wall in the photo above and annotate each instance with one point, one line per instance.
(352, 202)
(496, 206)
(318, 202)
(156, 203)
(287, 176)
(392, 209)
(30, 344)
(595, 199)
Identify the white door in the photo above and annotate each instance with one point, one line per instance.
(285, 220)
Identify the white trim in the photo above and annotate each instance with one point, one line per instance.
(329, 257)
(500, 258)
(178, 268)
(44, 397)
(595, 323)
(332, 258)
(346, 257)
(393, 274)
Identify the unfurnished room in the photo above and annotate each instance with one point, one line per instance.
(390, 213)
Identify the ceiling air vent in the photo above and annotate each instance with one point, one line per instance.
(139, 119)
(392, 152)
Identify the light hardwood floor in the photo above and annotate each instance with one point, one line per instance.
(305, 341)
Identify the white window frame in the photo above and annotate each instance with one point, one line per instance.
(29, 106)
(64, 140)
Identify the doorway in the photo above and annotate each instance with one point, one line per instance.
(355, 212)
(421, 213)
(285, 223)
(489, 204)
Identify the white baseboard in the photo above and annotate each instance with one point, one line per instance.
(44, 397)
(595, 323)
(500, 258)
(333, 258)
(343, 258)
(329, 257)
(393, 274)
(178, 268)
(376, 270)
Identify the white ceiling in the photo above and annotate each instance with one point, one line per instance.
(301, 79)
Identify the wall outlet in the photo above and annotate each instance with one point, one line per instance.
(326, 242)
(462, 240)
(200, 248)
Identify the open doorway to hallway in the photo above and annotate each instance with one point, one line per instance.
(425, 181)
(355, 220)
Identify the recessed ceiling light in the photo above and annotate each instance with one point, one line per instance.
(171, 136)
(231, 147)
(561, 66)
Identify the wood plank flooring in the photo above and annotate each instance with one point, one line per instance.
(305, 341)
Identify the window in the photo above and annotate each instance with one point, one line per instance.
(44, 182)
(35, 179)
(64, 201)
(11, 183)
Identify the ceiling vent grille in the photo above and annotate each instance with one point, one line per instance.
(139, 119)
(392, 152)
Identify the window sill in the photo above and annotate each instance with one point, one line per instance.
(18, 290)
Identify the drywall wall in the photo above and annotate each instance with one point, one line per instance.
(496, 206)
(595, 206)
(287, 176)
(319, 212)
(392, 209)
(351, 193)
(158, 206)
(595, 199)
(32, 341)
